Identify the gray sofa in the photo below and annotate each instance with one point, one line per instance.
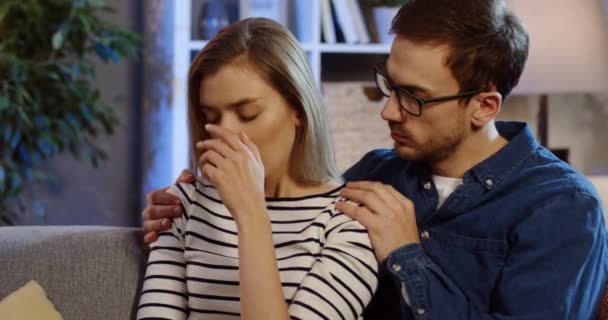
(87, 272)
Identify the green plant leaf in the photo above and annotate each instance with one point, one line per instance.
(57, 40)
(53, 76)
(15, 182)
(4, 103)
(24, 116)
(97, 3)
(3, 180)
(49, 102)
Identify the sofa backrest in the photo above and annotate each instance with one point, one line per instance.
(87, 272)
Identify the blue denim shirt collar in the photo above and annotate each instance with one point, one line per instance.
(498, 166)
(494, 169)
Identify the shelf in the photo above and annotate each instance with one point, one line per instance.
(308, 47)
(197, 45)
(375, 48)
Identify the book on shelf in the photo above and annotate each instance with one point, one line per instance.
(337, 28)
(345, 20)
(327, 22)
(271, 9)
(359, 22)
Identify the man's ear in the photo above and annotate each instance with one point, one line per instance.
(487, 107)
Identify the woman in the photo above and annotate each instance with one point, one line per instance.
(260, 237)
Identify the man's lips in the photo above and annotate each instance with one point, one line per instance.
(400, 138)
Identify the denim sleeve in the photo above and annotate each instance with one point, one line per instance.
(556, 269)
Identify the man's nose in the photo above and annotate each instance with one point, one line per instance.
(392, 109)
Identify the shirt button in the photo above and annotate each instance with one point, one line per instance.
(420, 311)
(427, 186)
(396, 267)
(425, 235)
(489, 182)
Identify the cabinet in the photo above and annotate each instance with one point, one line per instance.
(329, 62)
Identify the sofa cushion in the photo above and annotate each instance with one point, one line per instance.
(28, 302)
(87, 272)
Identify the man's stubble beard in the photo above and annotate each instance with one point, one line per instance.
(434, 151)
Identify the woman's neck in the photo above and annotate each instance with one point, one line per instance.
(287, 187)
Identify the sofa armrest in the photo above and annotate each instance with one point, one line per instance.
(87, 272)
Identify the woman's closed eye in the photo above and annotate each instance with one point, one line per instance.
(244, 113)
(247, 113)
(212, 117)
(247, 118)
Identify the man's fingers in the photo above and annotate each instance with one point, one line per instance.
(405, 202)
(370, 200)
(157, 225)
(359, 213)
(381, 191)
(150, 237)
(187, 176)
(161, 197)
(155, 212)
(361, 184)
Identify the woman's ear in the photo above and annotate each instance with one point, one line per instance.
(299, 119)
(487, 107)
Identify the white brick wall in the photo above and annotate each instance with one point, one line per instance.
(355, 122)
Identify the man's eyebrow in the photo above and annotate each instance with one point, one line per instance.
(413, 88)
(416, 89)
(409, 87)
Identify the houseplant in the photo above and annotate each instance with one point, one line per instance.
(383, 12)
(48, 101)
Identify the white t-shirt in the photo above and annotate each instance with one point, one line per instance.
(445, 186)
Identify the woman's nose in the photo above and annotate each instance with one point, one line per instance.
(231, 123)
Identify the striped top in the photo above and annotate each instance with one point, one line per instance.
(327, 267)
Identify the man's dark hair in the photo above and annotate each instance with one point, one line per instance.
(489, 45)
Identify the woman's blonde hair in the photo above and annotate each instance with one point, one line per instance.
(274, 54)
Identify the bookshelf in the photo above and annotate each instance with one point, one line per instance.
(302, 17)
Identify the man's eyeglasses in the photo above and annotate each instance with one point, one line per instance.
(411, 103)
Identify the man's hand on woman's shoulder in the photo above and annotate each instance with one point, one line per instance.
(161, 206)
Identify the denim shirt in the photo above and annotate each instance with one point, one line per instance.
(522, 238)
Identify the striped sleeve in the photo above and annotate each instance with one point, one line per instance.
(164, 294)
(343, 279)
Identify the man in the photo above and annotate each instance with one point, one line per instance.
(470, 218)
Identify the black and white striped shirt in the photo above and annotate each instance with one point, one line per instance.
(326, 264)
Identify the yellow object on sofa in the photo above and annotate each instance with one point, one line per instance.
(29, 302)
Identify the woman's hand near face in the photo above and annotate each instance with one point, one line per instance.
(233, 164)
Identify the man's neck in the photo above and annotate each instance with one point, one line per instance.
(475, 149)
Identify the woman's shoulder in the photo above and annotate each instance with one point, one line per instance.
(318, 197)
(203, 188)
(199, 191)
